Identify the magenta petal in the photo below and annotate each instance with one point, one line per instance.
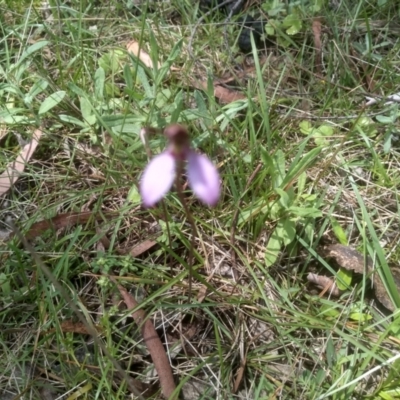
(203, 178)
(157, 178)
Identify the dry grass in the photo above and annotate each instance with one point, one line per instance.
(254, 328)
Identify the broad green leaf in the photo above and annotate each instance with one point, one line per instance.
(279, 164)
(87, 112)
(387, 143)
(392, 394)
(14, 119)
(76, 89)
(51, 101)
(111, 89)
(37, 88)
(153, 50)
(284, 198)
(329, 311)
(72, 120)
(395, 329)
(330, 352)
(272, 250)
(86, 108)
(305, 212)
(142, 78)
(110, 61)
(301, 184)
(128, 77)
(99, 79)
(30, 50)
(285, 231)
(343, 279)
(267, 159)
(299, 166)
(5, 284)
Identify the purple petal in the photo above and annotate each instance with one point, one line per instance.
(203, 178)
(157, 178)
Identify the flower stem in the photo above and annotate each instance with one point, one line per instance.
(190, 218)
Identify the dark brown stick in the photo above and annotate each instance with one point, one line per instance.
(153, 344)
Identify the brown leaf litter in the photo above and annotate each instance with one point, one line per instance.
(316, 28)
(350, 259)
(17, 167)
(136, 49)
(222, 93)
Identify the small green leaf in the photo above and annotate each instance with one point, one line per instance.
(269, 30)
(5, 284)
(325, 130)
(383, 119)
(51, 101)
(328, 311)
(293, 23)
(305, 127)
(343, 279)
(134, 195)
(360, 317)
(387, 144)
(339, 231)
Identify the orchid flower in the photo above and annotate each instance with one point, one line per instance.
(159, 175)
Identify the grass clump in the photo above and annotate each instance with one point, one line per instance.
(304, 161)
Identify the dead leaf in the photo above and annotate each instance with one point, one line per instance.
(74, 327)
(351, 259)
(223, 94)
(202, 293)
(316, 28)
(380, 290)
(15, 169)
(3, 131)
(324, 282)
(153, 344)
(239, 377)
(226, 95)
(141, 248)
(134, 48)
(64, 221)
(348, 258)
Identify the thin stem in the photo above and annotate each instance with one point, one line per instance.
(144, 137)
(189, 216)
